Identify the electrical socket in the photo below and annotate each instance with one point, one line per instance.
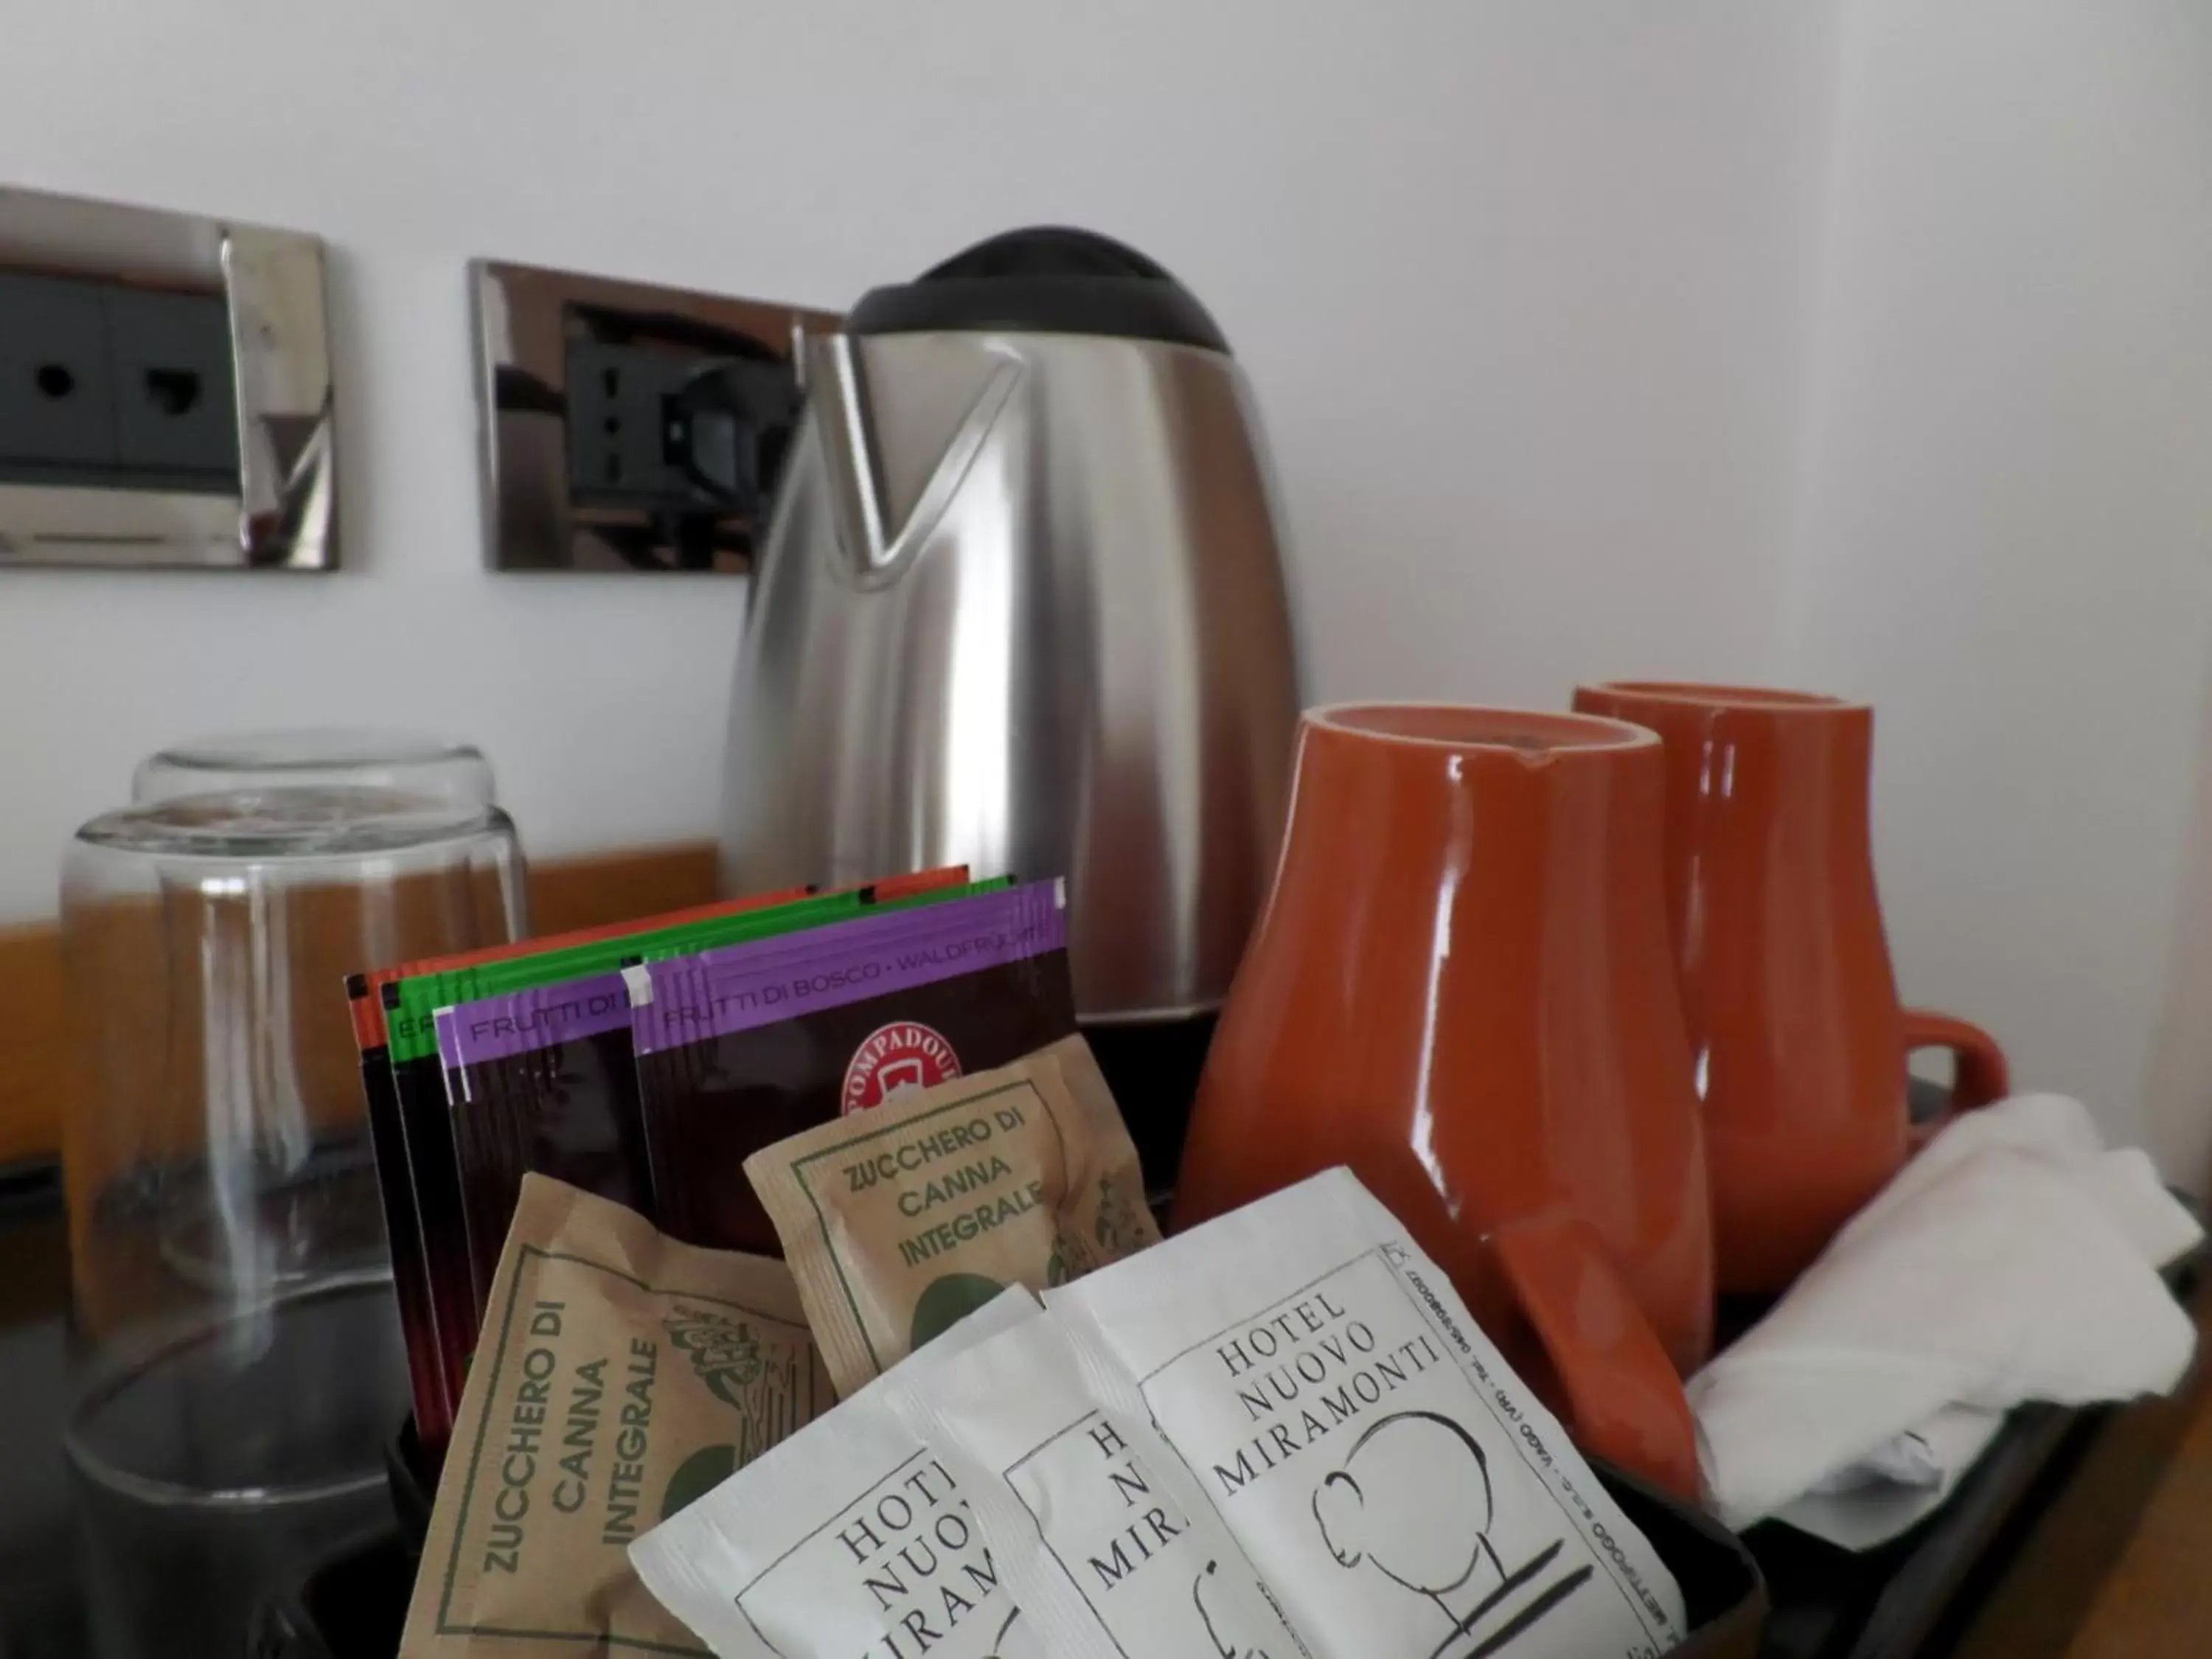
(630, 426)
(115, 386)
(57, 392)
(176, 414)
(653, 428)
(619, 440)
(165, 392)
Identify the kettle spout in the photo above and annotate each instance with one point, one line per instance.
(879, 521)
(836, 386)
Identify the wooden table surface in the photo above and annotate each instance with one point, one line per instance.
(2121, 1565)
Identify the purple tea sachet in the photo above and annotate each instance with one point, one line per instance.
(741, 1048)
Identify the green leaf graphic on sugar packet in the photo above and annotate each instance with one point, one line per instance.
(949, 1300)
(697, 1475)
(1114, 1225)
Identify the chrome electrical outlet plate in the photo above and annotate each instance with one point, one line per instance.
(627, 426)
(165, 391)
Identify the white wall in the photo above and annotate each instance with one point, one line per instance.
(1860, 344)
(2006, 538)
(1518, 283)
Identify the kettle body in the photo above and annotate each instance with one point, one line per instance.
(1021, 605)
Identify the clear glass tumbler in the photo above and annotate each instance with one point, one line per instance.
(313, 757)
(232, 1303)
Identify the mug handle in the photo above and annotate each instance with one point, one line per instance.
(1980, 1074)
(1624, 1401)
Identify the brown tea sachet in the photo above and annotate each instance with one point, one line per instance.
(620, 1375)
(900, 1220)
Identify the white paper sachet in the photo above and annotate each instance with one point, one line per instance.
(1101, 1535)
(848, 1541)
(1385, 1472)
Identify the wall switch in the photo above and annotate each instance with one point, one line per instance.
(57, 394)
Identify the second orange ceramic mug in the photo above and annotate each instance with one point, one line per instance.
(1797, 1039)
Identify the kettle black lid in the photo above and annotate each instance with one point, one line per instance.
(1048, 279)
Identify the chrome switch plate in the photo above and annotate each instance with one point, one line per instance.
(629, 427)
(165, 391)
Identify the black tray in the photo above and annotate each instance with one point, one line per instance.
(1722, 1592)
(1917, 1595)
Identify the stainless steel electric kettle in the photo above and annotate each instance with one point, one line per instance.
(1021, 604)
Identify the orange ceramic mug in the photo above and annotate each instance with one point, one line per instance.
(1462, 987)
(1799, 1043)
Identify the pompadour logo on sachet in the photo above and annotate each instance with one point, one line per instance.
(894, 1060)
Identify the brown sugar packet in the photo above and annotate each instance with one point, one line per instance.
(620, 1375)
(900, 1220)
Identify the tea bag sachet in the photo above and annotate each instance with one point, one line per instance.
(1386, 1472)
(850, 1540)
(405, 1079)
(432, 1394)
(899, 1220)
(620, 1375)
(1106, 1542)
(572, 1094)
(741, 1048)
(537, 1069)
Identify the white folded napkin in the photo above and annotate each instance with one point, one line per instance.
(2015, 1259)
